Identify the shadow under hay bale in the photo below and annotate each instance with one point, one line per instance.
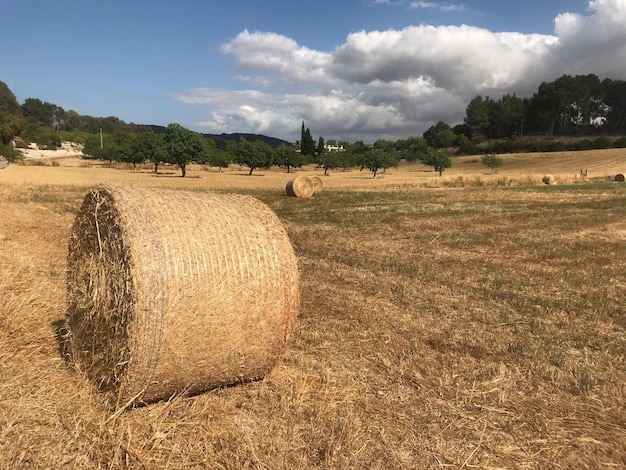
(302, 186)
(619, 178)
(175, 291)
(318, 183)
(548, 179)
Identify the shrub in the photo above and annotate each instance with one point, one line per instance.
(602, 143)
(620, 143)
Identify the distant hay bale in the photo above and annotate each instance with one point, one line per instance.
(174, 291)
(548, 179)
(619, 178)
(3, 162)
(302, 186)
(318, 183)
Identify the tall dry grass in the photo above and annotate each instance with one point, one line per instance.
(440, 327)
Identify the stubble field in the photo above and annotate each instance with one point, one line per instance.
(467, 321)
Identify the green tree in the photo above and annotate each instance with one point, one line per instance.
(11, 120)
(148, 146)
(307, 144)
(385, 145)
(506, 117)
(568, 105)
(615, 97)
(374, 160)
(412, 149)
(93, 147)
(184, 146)
(477, 116)
(320, 147)
(440, 135)
(114, 147)
(38, 112)
(253, 154)
(492, 161)
(438, 160)
(330, 161)
(218, 156)
(287, 157)
(347, 159)
(220, 159)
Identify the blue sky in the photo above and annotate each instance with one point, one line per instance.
(361, 69)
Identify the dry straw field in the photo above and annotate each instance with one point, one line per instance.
(467, 321)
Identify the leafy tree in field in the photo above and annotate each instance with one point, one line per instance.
(346, 160)
(253, 155)
(92, 148)
(376, 159)
(331, 160)
(492, 161)
(117, 146)
(184, 146)
(148, 146)
(220, 159)
(113, 147)
(217, 156)
(286, 156)
(438, 160)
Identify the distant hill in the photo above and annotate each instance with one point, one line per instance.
(271, 141)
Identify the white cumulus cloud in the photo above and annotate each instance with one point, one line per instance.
(397, 83)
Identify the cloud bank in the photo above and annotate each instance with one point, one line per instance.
(397, 83)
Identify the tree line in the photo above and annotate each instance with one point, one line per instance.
(581, 106)
(571, 106)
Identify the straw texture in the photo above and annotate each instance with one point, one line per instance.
(619, 178)
(302, 186)
(318, 183)
(175, 291)
(548, 179)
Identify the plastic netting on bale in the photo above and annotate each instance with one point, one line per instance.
(175, 291)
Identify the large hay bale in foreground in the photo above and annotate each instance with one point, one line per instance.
(619, 178)
(318, 183)
(548, 179)
(302, 186)
(174, 291)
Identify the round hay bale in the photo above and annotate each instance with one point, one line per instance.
(3, 162)
(619, 178)
(175, 291)
(302, 186)
(318, 184)
(548, 179)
